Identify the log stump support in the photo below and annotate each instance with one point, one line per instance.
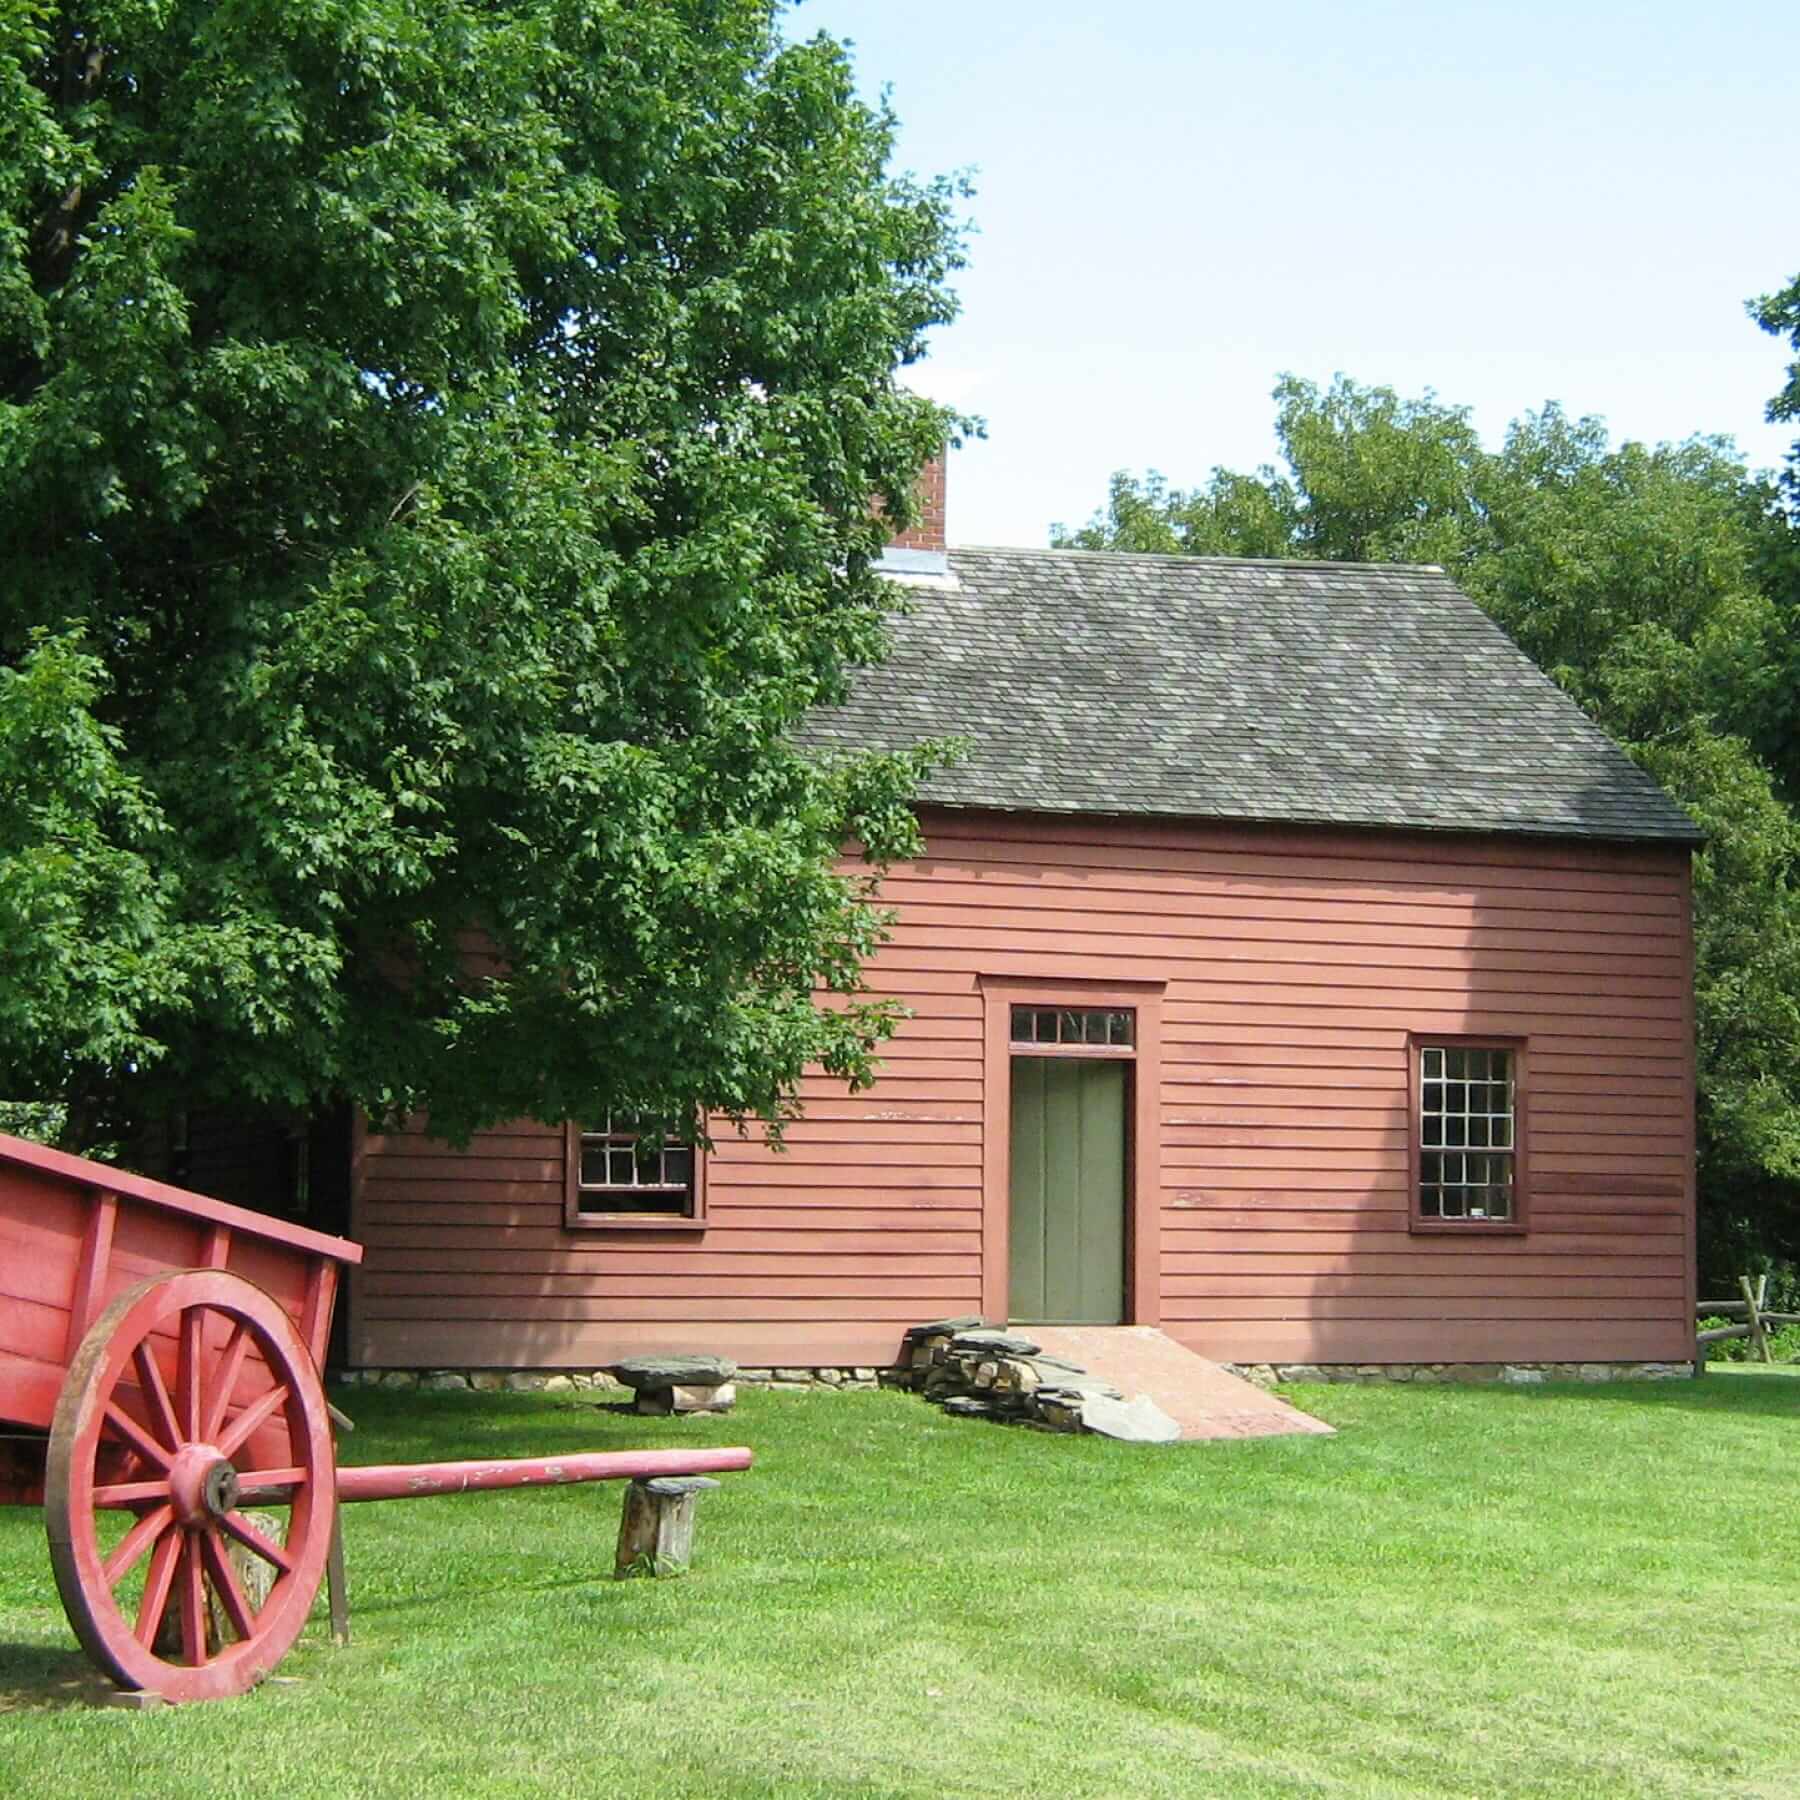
(656, 1531)
(254, 1576)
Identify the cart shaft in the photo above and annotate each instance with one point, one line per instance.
(407, 1481)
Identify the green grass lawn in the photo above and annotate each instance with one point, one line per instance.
(1476, 1591)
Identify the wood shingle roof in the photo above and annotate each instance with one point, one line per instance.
(1173, 686)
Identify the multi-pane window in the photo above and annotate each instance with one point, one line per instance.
(627, 1167)
(1094, 1027)
(1468, 1145)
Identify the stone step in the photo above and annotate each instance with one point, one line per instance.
(1202, 1399)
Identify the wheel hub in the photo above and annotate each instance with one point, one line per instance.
(202, 1485)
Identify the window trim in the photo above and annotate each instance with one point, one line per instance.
(576, 1218)
(1420, 1041)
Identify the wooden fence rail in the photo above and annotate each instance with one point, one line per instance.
(1755, 1319)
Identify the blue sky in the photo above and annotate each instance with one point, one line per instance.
(1176, 203)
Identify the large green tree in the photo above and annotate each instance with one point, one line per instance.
(1641, 580)
(436, 450)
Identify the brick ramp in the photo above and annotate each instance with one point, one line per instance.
(1203, 1399)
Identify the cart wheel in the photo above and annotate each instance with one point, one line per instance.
(191, 1396)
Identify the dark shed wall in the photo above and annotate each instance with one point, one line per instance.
(1292, 965)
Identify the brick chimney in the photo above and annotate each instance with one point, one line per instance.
(920, 553)
(928, 534)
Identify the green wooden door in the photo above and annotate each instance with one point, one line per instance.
(1068, 1190)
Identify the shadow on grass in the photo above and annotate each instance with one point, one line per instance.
(1767, 1392)
(396, 1420)
(37, 1678)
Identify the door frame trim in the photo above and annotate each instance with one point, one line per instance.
(1143, 1175)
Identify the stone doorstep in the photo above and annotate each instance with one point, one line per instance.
(1201, 1399)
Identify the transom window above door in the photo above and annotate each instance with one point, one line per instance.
(1096, 1027)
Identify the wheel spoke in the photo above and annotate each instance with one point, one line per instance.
(225, 1584)
(231, 1360)
(156, 1588)
(193, 1602)
(130, 1493)
(125, 1426)
(251, 1417)
(252, 1539)
(264, 1487)
(134, 1543)
(187, 1370)
(162, 1410)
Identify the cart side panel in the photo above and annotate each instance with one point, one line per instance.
(149, 1242)
(66, 1252)
(28, 1389)
(42, 1226)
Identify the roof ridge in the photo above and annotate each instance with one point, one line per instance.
(1187, 559)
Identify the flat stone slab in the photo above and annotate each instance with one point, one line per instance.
(999, 1343)
(672, 1487)
(1204, 1400)
(946, 1327)
(1072, 1393)
(675, 1371)
(1139, 1421)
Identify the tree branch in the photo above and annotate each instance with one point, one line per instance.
(58, 234)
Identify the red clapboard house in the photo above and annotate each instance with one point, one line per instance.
(1291, 965)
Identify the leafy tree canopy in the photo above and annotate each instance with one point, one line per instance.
(1779, 314)
(436, 445)
(1643, 580)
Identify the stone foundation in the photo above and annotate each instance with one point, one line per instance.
(845, 1380)
(600, 1381)
(797, 1381)
(1268, 1375)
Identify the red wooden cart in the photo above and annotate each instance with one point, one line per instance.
(159, 1373)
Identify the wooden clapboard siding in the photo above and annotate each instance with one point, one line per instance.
(1291, 966)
